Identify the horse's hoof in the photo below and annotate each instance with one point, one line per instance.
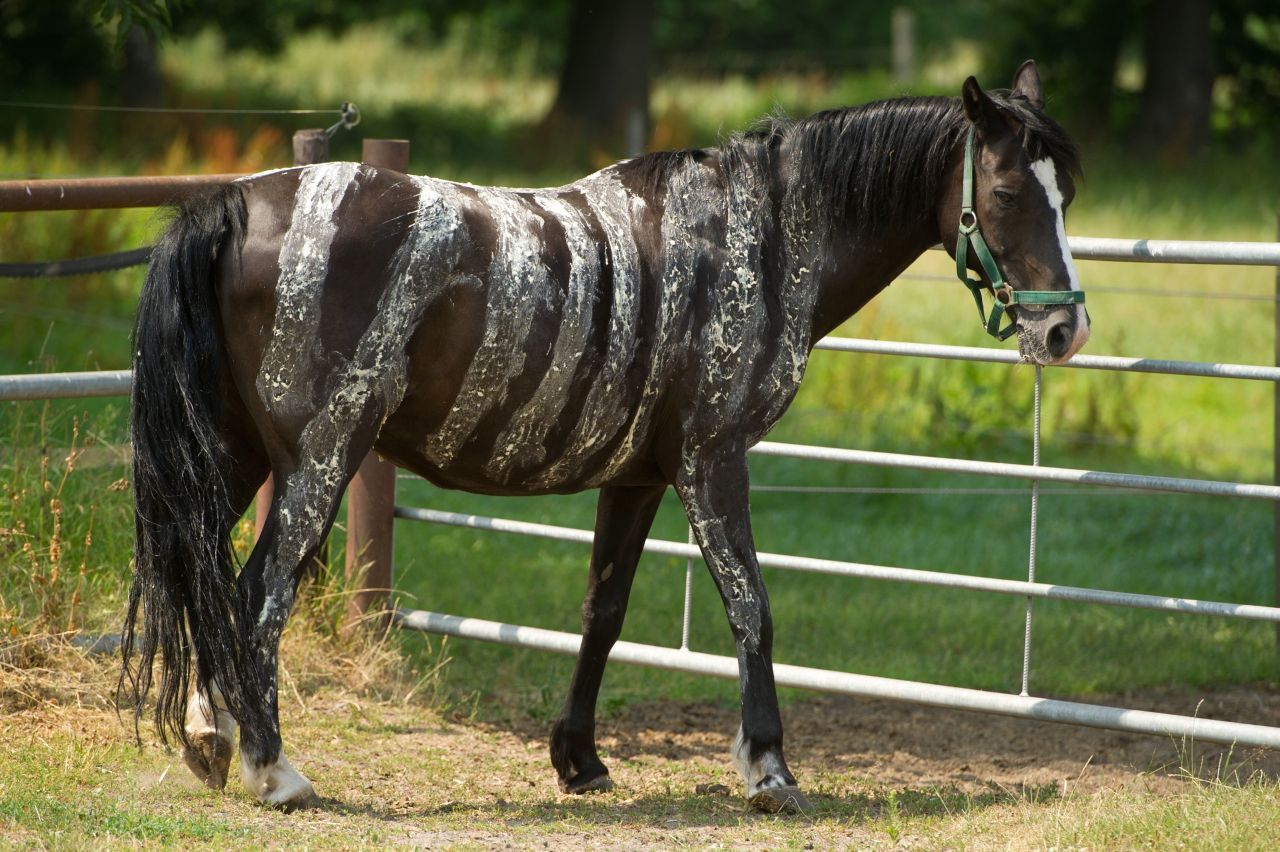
(781, 800)
(595, 784)
(302, 803)
(278, 785)
(208, 756)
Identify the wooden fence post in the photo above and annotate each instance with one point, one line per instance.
(310, 146)
(371, 496)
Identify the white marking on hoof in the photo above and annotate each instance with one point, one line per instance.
(278, 785)
(741, 753)
(766, 791)
(208, 714)
(210, 730)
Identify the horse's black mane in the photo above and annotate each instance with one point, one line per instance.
(870, 165)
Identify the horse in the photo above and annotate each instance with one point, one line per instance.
(634, 330)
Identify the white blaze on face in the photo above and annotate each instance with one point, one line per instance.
(1047, 174)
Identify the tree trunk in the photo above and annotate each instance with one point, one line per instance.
(602, 104)
(1177, 94)
(141, 80)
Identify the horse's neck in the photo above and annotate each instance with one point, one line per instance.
(849, 266)
(855, 271)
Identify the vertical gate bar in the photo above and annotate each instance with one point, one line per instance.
(1031, 555)
(688, 598)
(1275, 441)
(310, 146)
(371, 496)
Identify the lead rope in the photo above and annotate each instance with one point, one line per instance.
(688, 598)
(1031, 557)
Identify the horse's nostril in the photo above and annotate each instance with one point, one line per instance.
(1058, 339)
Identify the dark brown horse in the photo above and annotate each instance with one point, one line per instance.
(637, 329)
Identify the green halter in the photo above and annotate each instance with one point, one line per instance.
(1005, 295)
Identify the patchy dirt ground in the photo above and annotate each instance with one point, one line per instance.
(906, 746)
(880, 774)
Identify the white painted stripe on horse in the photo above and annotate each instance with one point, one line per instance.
(371, 383)
(529, 426)
(731, 346)
(732, 340)
(283, 380)
(517, 284)
(1047, 174)
(797, 296)
(688, 189)
(605, 410)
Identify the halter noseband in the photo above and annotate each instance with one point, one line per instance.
(1005, 296)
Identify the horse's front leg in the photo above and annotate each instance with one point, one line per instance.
(714, 489)
(623, 518)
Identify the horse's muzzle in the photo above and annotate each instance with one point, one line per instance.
(1051, 337)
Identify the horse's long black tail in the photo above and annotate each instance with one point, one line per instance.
(184, 602)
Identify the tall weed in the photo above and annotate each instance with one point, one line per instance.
(49, 511)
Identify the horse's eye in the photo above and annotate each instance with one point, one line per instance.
(1004, 196)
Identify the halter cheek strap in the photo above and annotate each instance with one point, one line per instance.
(1005, 296)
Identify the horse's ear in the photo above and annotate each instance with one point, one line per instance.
(981, 110)
(1027, 83)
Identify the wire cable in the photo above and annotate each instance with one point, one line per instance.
(166, 110)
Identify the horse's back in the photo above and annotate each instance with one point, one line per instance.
(517, 341)
(507, 326)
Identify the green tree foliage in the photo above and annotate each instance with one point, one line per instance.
(63, 44)
(1248, 52)
(153, 16)
(1080, 45)
(1076, 45)
(42, 47)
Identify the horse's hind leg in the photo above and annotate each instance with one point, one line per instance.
(211, 732)
(302, 511)
(623, 518)
(714, 488)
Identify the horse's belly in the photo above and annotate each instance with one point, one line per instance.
(530, 444)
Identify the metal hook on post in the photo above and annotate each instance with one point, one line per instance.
(350, 118)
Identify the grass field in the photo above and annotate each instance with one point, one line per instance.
(66, 517)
